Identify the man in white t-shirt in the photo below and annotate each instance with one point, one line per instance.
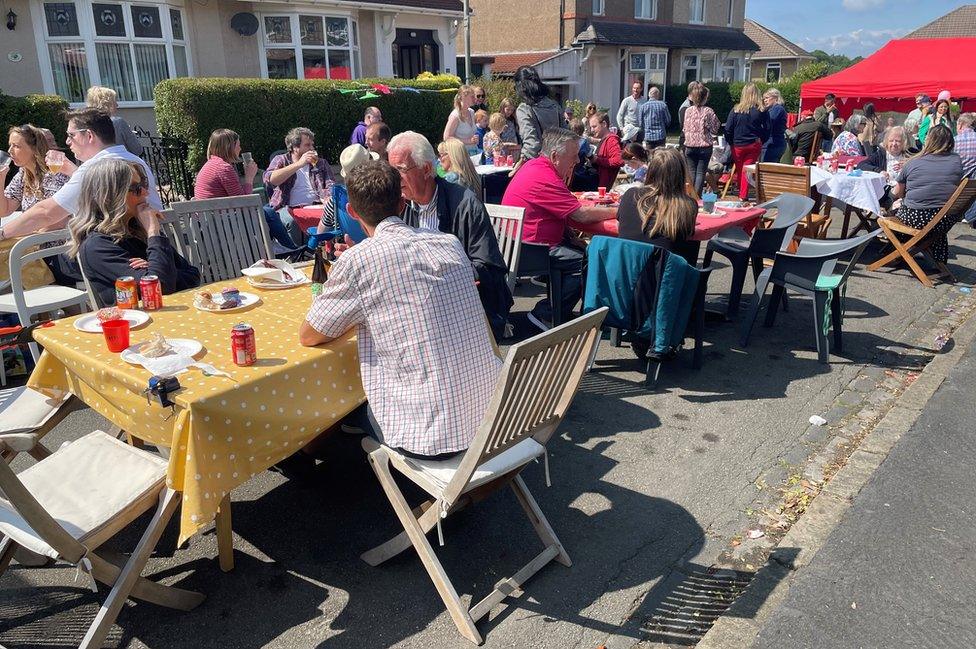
(91, 137)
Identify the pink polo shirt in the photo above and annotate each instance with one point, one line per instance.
(547, 201)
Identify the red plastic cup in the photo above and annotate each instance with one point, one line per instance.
(602, 191)
(116, 334)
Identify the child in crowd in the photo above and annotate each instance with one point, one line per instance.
(635, 161)
(481, 122)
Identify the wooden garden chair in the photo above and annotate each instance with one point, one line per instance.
(536, 385)
(224, 235)
(507, 224)
(26, 416)
(773, 179)
(68, 504)
(956, 206)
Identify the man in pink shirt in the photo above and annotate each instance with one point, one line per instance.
(541, 187)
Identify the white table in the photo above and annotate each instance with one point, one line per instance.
(486, 170)
(862, 192)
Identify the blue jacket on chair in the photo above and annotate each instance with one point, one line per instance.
(649, 291)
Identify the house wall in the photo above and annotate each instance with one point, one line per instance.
(22, 77)
(515, 26)
(787, 67)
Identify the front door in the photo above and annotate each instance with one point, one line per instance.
(415, 51)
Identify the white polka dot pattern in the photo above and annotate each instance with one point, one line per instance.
(206, 434)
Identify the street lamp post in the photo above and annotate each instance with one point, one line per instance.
(467, 43)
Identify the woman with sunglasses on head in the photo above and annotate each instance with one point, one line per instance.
(34, 180)
(116, 233)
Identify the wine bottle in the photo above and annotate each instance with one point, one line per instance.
(319, 273)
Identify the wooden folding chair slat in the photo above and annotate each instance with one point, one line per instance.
(537, 383)
(958, 204)
(507, 223)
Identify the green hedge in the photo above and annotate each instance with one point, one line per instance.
(262, 111)
(45, 111)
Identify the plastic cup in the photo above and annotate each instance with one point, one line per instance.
(246, 157)
(602, 191)
(116, 334)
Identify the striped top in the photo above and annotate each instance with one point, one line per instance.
(218, 179)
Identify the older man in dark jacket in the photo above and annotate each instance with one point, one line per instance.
(438, 204)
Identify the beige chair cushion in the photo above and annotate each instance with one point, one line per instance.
(39, 297)
(83, 486)
(23, 409)
(435, 475)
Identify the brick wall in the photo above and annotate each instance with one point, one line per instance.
(516, 26)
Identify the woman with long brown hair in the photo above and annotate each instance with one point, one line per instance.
(34, 180)
(661, 212)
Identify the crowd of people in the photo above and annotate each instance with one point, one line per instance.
(429, 236)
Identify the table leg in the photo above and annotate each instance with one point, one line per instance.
(847, 221)
(225, 535)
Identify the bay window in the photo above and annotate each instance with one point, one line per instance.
(647, 68)
(126, 46)
(309, 46)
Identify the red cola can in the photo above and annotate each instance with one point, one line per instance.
(799, 161)
(243, 349)
(151, 291)
(849, 167)
(126, 293)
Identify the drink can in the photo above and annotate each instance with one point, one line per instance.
(510, 160)
(849, 167)
(151, 291)
(799, 161)
(243, 348)
(820, 161)
(834, 165)
(126, 294)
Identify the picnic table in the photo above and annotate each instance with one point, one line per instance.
(862, 191)
(705, 226)
(222, 431)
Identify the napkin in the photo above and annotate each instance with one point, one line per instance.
(169, 365)
(273, 271)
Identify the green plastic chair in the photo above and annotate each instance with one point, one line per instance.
(811, 271)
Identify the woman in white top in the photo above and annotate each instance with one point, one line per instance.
(461, 124)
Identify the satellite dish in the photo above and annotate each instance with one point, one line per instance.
(245, 24)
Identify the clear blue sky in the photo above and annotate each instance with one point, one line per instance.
(851, 27)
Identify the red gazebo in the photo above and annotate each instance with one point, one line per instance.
(891, 77)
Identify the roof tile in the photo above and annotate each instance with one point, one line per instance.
(958, 23)
(772, 45)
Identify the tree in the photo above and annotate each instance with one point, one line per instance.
(835, 62)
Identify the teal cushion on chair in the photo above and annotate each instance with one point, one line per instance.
(828, 282)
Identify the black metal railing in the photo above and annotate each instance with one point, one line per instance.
(166, 156)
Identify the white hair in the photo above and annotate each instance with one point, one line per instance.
(419, 147)
(895, 131)
(775, 94)
(965, 120)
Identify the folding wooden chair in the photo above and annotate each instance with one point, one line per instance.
(918, 241)
(507, 224)
(535, 388)
(68, 504)
(225, 235)
(26, 416)
(773, 179)
(728, 178)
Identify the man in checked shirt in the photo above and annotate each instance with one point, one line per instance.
(425, 355)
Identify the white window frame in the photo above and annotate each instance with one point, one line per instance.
(87, 36)
(599, 7)
(737, 64)
(731, 12)
(696, 67)
(774, 65)
(354, 48)
(747, 71)
(661, 63)
(691, 12)
(702, 72)
(649, 5)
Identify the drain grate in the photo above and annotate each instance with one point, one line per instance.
(690, 609)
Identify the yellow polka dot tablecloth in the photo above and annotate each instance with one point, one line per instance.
(223, 430)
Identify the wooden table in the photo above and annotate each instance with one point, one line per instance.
(222, 431)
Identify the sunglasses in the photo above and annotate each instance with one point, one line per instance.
(479, 96)
(139, 187)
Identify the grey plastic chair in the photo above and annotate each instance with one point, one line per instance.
(811, 271)
(739, 248)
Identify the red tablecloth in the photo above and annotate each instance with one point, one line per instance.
(705, 227)
(308, 216)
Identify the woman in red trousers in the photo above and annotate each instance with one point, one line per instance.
(746, 129)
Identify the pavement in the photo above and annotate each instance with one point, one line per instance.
(649, 487)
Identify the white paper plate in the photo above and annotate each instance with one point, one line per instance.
(91, 324)
(711, 215)
(276, 286)
(183, 346)
(729, 205)
(247, 299)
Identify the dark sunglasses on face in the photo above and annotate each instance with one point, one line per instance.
(139, 187)
(479, 96)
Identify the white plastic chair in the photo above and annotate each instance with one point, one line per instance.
(507, 223)
(225, 234)
(533, 392)
(45, 299)
(68, 504)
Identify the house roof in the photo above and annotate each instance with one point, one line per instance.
(958, 23)
(772, 45)
(510, 62)
(608, 33)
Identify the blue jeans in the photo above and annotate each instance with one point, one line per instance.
(971, 214)
(277, 229)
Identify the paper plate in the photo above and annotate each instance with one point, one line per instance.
(711, 215)
(247, 299)
(184, 346)
(277, 286)
(92, 325)
(729, 205)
